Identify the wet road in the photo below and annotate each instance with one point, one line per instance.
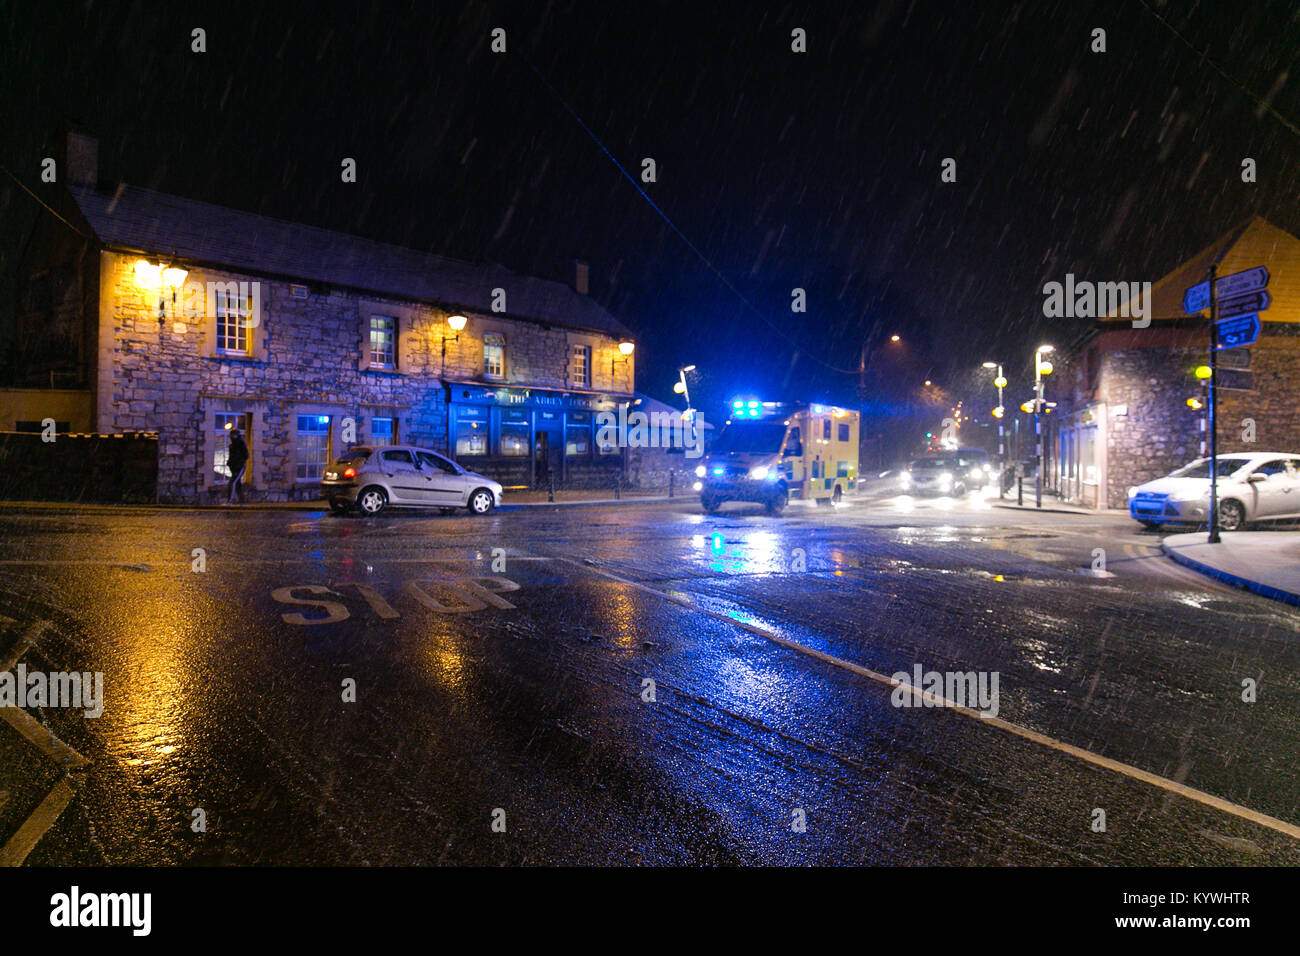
(503, 708)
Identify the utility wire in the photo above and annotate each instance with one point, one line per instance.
(673, 226)
(47, 206)
(1263, 105)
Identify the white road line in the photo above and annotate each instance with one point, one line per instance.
(30, 637)
(38, 824)
(27, 725)
(1135, 773)
(242, 560)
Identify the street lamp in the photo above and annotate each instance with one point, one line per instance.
(1000, 382)
(1041, 369)
(681, 388)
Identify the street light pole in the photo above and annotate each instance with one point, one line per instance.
(1039, 369)
(1000, 382)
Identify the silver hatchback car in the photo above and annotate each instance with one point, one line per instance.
(372, 479)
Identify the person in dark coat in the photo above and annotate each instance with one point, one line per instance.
(237, 461)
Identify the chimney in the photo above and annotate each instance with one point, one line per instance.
(581, 273)
(80, 166)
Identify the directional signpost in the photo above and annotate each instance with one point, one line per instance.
(1235, 302)
(1237, 331)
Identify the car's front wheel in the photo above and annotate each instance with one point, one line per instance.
(372, 500)
(1232, 516)
(710, 503)
(481, 501)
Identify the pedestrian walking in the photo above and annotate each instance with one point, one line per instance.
(236, 461)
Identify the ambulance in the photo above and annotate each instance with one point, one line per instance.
(771, 453)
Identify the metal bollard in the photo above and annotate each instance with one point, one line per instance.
(618, 486)
(550, 489)
(1020, 490)
(672, 482)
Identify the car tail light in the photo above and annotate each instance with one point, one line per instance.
(349, 472)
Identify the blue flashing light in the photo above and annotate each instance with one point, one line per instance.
(737, 404)
(753, 404)
(719, 470)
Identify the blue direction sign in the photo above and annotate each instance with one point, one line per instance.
(1244, 304)
(1236, 332)
(1196, 298)
(1239, 283)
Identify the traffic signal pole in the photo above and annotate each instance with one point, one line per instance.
(1214, 402)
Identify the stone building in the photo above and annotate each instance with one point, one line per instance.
(146, 312)
(1123, 416)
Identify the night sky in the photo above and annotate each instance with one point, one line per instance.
(817, 170)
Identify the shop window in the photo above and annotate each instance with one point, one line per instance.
(471, 437)
(383, 431)
(577, 434)
(514, 434)
(224, 423)
(580, 366)
(494, 355)
(383, 341)
(313, 449)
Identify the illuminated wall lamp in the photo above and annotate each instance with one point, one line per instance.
(457, 323)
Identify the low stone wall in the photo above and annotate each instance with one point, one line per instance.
(91, 468)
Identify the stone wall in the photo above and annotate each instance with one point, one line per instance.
(1160, 433)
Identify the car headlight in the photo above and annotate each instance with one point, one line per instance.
(1192, 494)
(1132, 491)
(975, 472)
(699, 471)
(759, 472)
(905, 480)
(945, 479)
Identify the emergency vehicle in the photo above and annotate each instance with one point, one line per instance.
(771, 453)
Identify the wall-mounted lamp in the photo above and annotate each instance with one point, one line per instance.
(457, 323)
(626, 348)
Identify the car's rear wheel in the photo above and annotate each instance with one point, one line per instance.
(1232, 516)
(339, 507)
(710, 503)
(1150, 525)
(481, 501)
(372, 500)
(776, 503)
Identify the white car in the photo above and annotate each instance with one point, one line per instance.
(1261, 486)
(372, 479)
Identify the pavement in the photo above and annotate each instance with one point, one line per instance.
(1266, 563)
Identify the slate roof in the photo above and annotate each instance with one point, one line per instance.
(156, 223)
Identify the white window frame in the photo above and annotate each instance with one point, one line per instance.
(299, 461)
(240, 312)
(500, 371)
(580, 365)
(391, 333)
